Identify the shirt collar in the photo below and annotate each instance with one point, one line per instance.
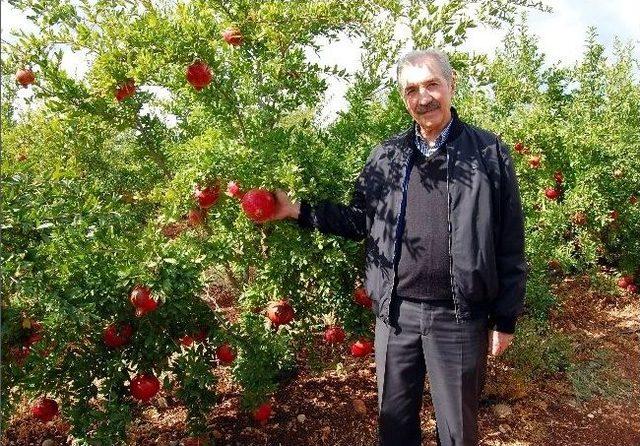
(423, 145)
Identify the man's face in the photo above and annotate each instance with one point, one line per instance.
(426, 94)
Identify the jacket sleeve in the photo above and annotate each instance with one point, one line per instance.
(510, 250)
(348, 220)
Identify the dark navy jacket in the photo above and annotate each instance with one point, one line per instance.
(486, 223)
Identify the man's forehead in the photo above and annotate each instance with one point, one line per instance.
(421, 72)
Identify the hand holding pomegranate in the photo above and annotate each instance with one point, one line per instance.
(285, 208)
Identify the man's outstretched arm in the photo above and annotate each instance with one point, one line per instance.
(346, 220)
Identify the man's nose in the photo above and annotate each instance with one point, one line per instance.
(423, 95)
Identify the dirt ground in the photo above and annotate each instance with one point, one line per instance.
(338, 406)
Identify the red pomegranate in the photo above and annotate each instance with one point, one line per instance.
(518, 147)
(25, 77)
(142, 300)
(625, 281)
(117, 335)
(632, 288)
(125, 90)
(259, 205)
(232, 36)
(225, 354)
(360, 296)
(614, 214)
(199, 75)
(207, 196)
(552, 193)
(186, 340)
(334, 334)
(262, 413)
(45, 409)
(534, 162)
(280, 313)
(361, 347)
(633, 199)
(144, 386)
(196, 217)
(233, 190)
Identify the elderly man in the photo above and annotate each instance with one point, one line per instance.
(439, 207)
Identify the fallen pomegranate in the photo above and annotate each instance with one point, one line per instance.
(199, 75)
(361, 297)
(259, 205)
(225, 354)
(361, 347)
(334, 334)
(25, 77)
(232, 36)
(45, 409)
(262, 413)
(144, 386)
(142, 300)
(207, 196)
(115, 335)
(125, 90)
(280, 313)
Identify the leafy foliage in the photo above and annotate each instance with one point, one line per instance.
(96, 190)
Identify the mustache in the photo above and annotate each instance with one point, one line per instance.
(433, 105)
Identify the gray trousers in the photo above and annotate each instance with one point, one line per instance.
(421, 338)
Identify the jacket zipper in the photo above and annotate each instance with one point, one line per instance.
(399, 230)
(453, 291)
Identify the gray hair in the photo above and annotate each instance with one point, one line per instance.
(417, 56)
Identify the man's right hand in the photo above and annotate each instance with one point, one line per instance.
(285, 208)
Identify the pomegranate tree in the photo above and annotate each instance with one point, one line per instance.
(98, 193)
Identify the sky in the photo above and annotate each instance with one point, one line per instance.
(561, 35)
